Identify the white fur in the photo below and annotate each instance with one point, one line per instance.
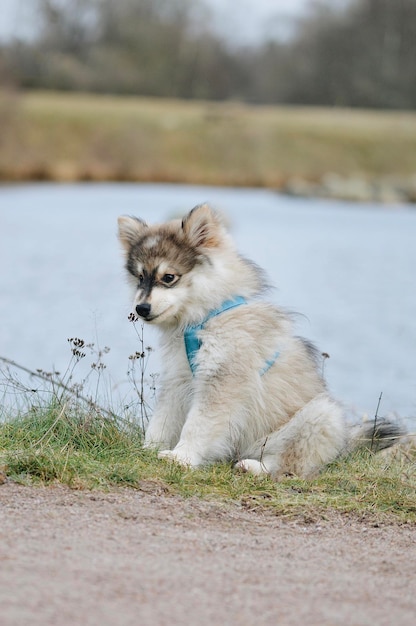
(281, 422)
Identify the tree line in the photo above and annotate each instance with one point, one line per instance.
(359, 53)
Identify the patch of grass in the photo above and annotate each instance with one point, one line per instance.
(78, 449)
(86, 450)
(62, 137)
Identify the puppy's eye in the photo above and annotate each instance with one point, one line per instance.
(141, 279)
(168, 279)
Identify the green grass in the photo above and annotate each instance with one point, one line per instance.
(80, 448)
(57, 136)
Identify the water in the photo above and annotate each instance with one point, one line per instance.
(348, 269)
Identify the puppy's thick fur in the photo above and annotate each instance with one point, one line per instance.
(274, 420)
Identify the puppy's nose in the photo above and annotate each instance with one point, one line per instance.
(143, 310)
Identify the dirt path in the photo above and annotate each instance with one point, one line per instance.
(129, 557)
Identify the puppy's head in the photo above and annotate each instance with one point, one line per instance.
(162, 261)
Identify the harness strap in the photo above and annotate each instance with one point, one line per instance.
(269, 363)
(193, 343)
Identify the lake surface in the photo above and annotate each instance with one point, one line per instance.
(348, 269)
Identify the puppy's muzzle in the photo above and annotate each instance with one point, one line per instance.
(143, 310)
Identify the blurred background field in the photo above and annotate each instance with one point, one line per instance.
(68, 137)
(309, 97)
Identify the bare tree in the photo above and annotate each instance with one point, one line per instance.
(361, 54)
(347, 53)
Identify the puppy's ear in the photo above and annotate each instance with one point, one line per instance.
(129, 230)
(202, 227)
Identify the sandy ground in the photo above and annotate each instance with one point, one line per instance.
(145, 558)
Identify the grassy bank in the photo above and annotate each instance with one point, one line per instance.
(86, 451)
(65, 137)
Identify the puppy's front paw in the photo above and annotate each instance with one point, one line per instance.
(166, 454)
(179, 457)
(251, 465)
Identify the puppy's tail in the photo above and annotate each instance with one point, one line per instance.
(375, 436)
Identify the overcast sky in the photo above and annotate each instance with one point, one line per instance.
(240, 20)
(250, 20)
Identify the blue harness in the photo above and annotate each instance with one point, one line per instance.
(193, 343)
